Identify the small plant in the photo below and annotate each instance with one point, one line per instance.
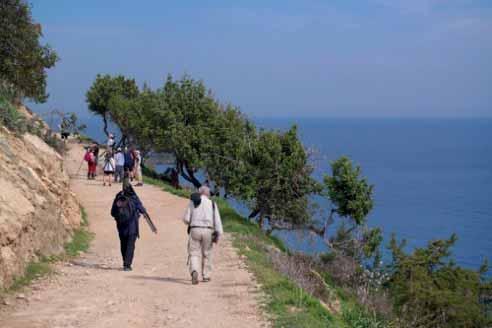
(81, 238)
(356, 318)
(10, 117)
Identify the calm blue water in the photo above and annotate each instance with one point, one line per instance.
(432, 177)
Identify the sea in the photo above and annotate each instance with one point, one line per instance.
(432, 177)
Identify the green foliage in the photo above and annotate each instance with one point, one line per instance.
(106, 87)
(352, 198)
(34, 270)
(232, 137)
(279, 178)
(23, 60)
(10, 117)
(183, 118)
(350, 194)
(358, 318)
(429, 290)
(187, 111)
(81, 238)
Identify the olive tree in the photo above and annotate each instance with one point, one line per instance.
(230, 139)
(103, 89)
(279, 180)
(182, 124)
(134, 118)
(351, 197)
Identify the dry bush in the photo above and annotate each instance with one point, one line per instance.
(365, 285)
(303, 271)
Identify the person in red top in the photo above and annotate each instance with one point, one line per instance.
(90, 158)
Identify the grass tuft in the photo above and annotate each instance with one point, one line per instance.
(34, 270)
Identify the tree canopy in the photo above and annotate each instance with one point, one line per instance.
(23, 59)
(106, 87)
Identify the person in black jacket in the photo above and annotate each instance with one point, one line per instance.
(126, 210)
(129, 162)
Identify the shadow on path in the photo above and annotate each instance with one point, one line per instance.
(95, 266)
(163, 279)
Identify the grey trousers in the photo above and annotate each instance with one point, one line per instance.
(118, 174)
(200, 251)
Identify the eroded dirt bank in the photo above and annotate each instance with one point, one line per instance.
(38, 212)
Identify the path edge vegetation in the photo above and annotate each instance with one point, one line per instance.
(282, 301)
(43, 265)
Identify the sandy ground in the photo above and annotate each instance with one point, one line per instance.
(93, 291)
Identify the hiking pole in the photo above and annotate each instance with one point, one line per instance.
(127, 184)
(80, 166)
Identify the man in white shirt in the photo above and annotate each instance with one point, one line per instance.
(205, 228)
(119, 159)
(110, 142)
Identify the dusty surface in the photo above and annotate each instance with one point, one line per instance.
(38, 212)
(92, 291)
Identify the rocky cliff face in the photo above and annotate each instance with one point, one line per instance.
(38, 212)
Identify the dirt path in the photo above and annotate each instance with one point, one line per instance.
(92, 291)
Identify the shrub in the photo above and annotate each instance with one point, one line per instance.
(10, 117)
(429, 290)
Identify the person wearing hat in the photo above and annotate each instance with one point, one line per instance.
(110, 143)
(119, 159)
(138, 168)
(204, 228)
(126, 210)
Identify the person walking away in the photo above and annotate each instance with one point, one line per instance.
(119, 159)
(110, 143)
(91, 163)
(126, 211)
(205, 228)
(129, 163)
(108, 168)
(65, 129)
(138, 168)
(95, 148)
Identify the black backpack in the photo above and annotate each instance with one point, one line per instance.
(125, 210)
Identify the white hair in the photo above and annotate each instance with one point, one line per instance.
(204, 190)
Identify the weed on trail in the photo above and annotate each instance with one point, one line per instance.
(81, 239)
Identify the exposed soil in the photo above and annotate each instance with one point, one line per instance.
(93, 291)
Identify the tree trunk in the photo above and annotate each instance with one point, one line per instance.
(105, 120)
(261, 221)
(192, 177)
(253, 214)
(122, 142)
(188, 175)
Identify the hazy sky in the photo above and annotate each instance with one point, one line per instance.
(364, 58)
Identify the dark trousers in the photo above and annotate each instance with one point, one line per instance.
(127, 245)
(118, 175)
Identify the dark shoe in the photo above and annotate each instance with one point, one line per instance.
(194, 278)
(206, 279)
(127, 268)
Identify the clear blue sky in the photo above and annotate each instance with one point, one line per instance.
(364, 58)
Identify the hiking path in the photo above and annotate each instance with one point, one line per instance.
(92, 290)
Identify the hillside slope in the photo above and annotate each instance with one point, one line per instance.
(37, 210)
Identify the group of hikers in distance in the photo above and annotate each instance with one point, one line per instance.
(202, 216)
(117, 161)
